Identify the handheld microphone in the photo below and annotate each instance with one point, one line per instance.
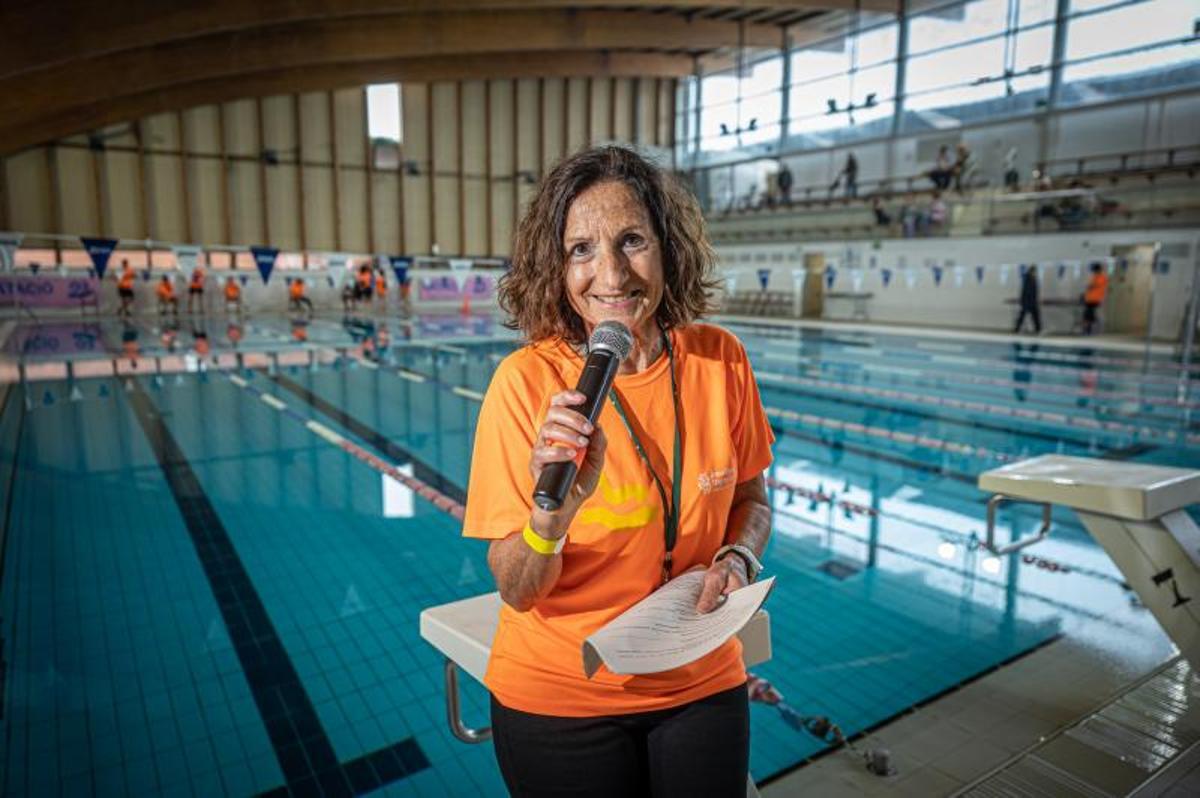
(611, 342)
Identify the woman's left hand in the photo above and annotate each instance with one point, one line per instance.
(722, 578)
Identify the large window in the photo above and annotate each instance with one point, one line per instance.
(967, 61)
(383, 112)
(841, 85)
(983, 58)
(1120, 48)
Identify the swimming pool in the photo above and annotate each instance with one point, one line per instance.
(214, 560)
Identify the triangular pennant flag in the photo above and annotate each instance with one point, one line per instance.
(731, 278)
(243, 279)
(9, 244)
(1061, 270)
(76, 394)
(764, 277)
(264, 259)
(99, 250)
(958, 276)
(34, 267)
(400, 267)
(910, 278)
(979, 274)
(856, 279)
(128, 385)
(461, 268)
(1004, 269)
(886, 275)
(103, 392)
(830, 276)
(187, 257)
(48, 398)
(937, 275)
(1076, 269)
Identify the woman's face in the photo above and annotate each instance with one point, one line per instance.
(613, 259)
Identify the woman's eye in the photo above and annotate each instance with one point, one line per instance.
(634, 240)
(579, 250)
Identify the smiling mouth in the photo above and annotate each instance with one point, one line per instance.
(616, 300)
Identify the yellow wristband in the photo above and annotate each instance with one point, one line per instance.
(540, 544)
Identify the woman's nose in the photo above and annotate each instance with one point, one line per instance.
(611, 268)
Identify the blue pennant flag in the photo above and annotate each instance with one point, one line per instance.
(1061, 270)
(937, 275)
(99, 250)
(830, 276)
(886, 274)
(146, 275)
(1163, 267)
(764, 276)
(979, 274)
(33, 267)
(244, 279)
(264, 259)
(400, 265)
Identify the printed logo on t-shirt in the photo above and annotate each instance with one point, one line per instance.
(622, 507)
(712, 481)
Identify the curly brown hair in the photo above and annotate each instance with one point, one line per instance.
(534, 292)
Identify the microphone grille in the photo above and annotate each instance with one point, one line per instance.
(613, 336)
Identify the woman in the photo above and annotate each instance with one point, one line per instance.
(608, 236)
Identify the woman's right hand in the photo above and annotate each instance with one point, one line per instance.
(563, 433)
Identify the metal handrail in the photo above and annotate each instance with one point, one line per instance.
(1016, 545)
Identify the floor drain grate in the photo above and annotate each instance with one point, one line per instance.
(839, 569)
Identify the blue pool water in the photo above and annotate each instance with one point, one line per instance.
(202, 596)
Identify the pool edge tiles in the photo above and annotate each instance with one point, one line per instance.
(302, 747)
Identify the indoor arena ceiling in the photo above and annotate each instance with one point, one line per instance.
(78, 65)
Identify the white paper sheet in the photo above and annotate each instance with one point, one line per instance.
(664, 631)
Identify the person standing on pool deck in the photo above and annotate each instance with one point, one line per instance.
(1093, 297)
(196, 289)
(671, 480)
(1029, 300)
(125, 289)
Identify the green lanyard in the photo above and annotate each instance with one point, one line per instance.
(671, 517)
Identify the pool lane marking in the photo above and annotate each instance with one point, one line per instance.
(442, 497)
(302, 747)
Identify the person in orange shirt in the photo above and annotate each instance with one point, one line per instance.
(196, 289)
(297, 301)
(233, 295)
(125, 289)
(166, 296)
(670, 480)
(1093, 297)
(381, 288)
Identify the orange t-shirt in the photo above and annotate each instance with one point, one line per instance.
(126, 281)
(1097, 287)
(614, 551)
(296, 289)
(197, 279)
(232, 291)
(380, 285)
(165, 290)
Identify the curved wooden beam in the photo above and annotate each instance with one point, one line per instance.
(49, 33)
(346, 40)
(59, 122)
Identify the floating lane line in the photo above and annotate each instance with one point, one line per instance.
(423, 489)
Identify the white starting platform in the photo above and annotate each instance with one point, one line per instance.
(463, 632)
(1135, 511)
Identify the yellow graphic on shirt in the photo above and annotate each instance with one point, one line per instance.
(614, 520)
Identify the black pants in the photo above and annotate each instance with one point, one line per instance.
(699, 749)
(1037, 318)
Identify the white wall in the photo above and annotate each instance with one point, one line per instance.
(972, 305)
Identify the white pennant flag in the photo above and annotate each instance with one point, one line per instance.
(336, 263)
(188, 258)
(462, 269)
(910, 277)
(731, 278)
(9, 243)
(958, 276)
(1004, 269)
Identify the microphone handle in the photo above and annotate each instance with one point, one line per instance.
(594, 383)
